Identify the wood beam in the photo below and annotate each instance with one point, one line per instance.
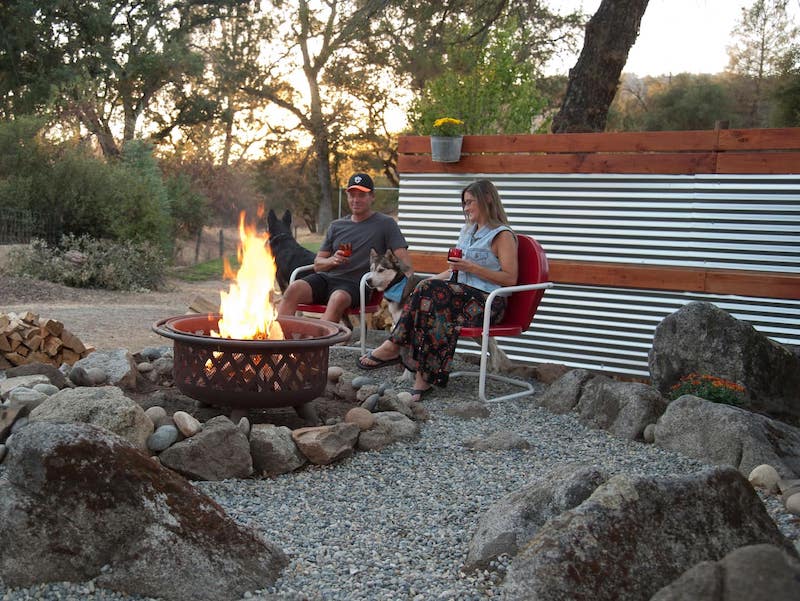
(761, 284)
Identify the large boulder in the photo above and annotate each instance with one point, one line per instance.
(701, 338)
(512, 522)
(622, 408)
(754, 573)
(638, 534)
(79, 498)
(117, 364)
(273, 450)
(218, 452)
(53, 374)
(104, 406)
(562, 396)
(323, 445)
(722, 434)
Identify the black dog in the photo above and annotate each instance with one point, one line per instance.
(288, 253)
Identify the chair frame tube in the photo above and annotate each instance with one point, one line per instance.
(485, 336)
(362, 287)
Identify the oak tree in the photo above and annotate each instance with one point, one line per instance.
(594, 79)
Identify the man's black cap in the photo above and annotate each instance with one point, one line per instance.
(361, 181)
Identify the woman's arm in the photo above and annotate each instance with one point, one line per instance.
(504, 246)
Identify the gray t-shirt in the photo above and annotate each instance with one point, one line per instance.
(379, 232)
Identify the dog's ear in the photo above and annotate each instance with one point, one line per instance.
(372, 254)
(287, 218)
(271, 216)
(400, 263)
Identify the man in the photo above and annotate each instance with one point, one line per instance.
(343, 257)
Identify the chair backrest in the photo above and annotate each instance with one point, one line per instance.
(533, 269)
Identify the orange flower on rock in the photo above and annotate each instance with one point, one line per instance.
(711, 388)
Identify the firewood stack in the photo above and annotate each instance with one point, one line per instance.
(26, 338)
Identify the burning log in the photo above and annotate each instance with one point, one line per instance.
(26, 338)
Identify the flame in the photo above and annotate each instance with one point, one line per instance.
(246, 310)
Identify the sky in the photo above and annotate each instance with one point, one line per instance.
(678, 36)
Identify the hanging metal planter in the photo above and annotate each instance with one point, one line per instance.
(446, 149)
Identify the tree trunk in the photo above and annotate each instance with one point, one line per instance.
(325, 215)
(105, 138)
(321, 151)
(594, 79)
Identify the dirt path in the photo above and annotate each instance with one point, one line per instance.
(101, 318)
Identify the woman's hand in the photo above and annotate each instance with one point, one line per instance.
(461, 264)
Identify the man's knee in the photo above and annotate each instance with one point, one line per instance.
(340, 298)
(338, 303)
(297, 292)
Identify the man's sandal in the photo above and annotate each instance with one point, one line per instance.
(378, 363)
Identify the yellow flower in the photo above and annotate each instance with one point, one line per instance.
(447, 126)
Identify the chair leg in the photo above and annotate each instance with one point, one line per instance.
(483, 374)
(362, 317)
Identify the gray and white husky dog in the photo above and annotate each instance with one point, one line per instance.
(387, 274)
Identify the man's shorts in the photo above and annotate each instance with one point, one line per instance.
(323, 285)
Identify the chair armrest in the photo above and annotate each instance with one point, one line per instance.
(506, 291)
(300, 270)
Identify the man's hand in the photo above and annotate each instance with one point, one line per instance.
(338, 259)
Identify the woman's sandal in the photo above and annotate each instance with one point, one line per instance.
(419, 393)
(378, 361)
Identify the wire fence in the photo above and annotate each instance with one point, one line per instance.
(18, 226)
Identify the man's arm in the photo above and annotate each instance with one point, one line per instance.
(403, 254)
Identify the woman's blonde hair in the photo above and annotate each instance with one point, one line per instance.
(489, 200)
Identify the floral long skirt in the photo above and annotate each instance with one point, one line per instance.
(428, 328)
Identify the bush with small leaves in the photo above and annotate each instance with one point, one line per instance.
(85, 262)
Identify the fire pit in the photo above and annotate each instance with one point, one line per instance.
(251, 374)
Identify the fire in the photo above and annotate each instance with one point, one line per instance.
(246, 310)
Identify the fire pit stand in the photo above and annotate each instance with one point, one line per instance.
(251, 374)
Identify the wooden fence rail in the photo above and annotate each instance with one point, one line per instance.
(720, 151)
(652, 277)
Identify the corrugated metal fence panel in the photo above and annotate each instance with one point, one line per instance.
(712, 221)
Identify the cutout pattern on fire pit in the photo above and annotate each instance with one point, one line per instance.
(293, 378)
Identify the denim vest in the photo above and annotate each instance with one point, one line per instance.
(477, 247)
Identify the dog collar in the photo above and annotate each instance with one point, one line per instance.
(394, 292)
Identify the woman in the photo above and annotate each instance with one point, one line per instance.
(424, 338)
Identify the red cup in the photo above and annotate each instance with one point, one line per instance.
(454, 252)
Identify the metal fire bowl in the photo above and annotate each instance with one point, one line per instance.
(251, 374)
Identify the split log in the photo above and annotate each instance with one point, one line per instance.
(203, 305)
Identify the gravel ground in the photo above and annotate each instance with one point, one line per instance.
(387, 525)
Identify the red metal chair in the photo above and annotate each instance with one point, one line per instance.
(373, 306)
(524, 299)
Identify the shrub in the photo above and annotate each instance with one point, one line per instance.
(711, 388)
(85, 262)
(188, 207)
(71, 191)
